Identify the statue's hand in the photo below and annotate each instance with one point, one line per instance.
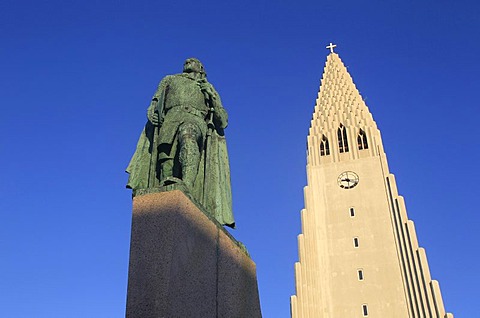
(154, 119)
(206, 87)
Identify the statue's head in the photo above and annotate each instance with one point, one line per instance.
(193, 65)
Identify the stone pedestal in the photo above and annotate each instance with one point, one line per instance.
(184, 264)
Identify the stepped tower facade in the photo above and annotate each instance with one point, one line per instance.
(358, 251)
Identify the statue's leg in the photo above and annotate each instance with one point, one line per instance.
(189, 155)
(166, 160)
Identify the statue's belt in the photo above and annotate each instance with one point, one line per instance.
(190, 110)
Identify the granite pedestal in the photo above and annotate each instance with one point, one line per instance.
(184, 264)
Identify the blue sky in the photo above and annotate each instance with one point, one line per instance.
(77, 76)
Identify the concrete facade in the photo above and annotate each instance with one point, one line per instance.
(358, 252)
(184, 264)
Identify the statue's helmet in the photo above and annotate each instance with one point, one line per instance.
(193, 65)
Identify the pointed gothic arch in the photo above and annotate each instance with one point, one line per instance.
(362, 140)
(342, 138)
(324, 146)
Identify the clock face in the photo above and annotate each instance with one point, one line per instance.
(347, 180)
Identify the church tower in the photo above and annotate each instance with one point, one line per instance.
(358, 251)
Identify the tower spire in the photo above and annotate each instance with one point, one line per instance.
(339, 105)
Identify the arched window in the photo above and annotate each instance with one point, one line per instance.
(324, 146)
(362, 140)
(342, 139)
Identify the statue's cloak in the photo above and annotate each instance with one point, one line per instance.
(213, 179)
(212, 188)
(140, 165)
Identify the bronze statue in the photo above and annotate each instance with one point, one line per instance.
(183, 142)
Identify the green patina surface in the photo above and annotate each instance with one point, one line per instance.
(183, 142)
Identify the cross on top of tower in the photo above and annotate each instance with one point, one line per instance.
(331, 46)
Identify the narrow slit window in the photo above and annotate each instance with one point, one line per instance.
(365, 310)
(324, 146)
(352, 212)
(342, 139)
(362, 140)
(355, 242)
(360, 274)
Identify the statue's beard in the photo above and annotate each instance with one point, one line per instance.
(192, 69)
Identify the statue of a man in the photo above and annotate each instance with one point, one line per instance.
(183, 142)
